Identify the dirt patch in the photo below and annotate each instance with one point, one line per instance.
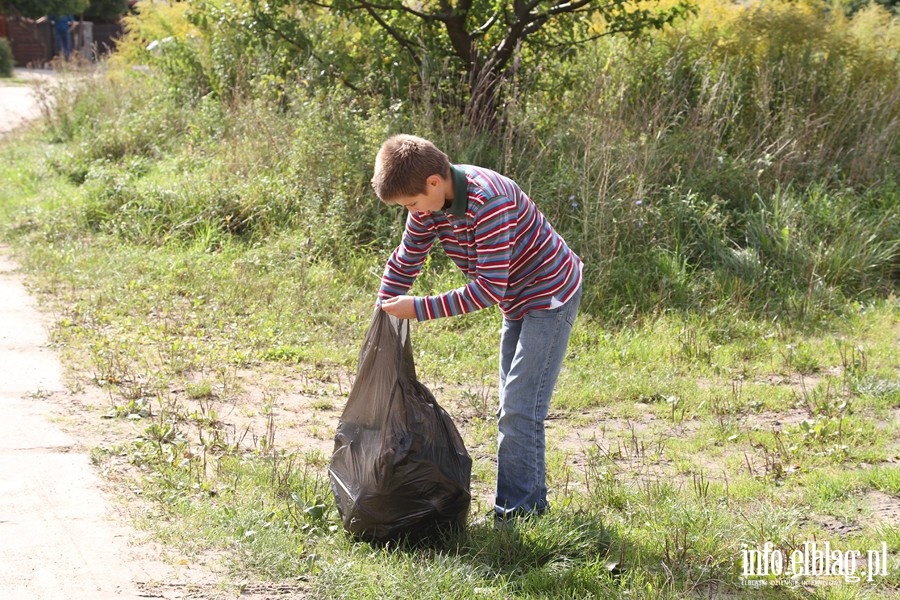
(244, 590)
(834, 526)
(776, 421)
(801, 383)
(598, 429)
(638, 450)
(885, 509)
(876, 510)
(21, 98)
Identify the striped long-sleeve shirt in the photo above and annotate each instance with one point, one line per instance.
(496, 235)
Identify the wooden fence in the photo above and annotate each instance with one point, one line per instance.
(33, 44)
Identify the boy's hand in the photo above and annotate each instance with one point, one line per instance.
(402, 307)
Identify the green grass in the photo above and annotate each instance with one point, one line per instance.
(732, 379)
(674, 440)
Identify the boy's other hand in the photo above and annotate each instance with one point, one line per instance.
(402, 307)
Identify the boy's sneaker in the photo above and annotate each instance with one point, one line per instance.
(504, 520)
(488, 518)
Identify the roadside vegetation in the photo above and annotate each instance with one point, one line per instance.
(197, 214)
(6, 59)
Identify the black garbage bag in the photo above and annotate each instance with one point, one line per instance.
(399, 468)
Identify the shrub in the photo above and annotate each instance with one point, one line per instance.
(106, 10)
(6, 58)
(699, 163)
(38, 8)
(723, 162)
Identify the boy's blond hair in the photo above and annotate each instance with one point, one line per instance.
(403, 164)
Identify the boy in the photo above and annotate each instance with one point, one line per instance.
(496, 235)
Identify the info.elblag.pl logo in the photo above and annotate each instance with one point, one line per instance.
(812, 563)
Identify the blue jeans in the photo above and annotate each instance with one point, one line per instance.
(532, 350)
(64, 42)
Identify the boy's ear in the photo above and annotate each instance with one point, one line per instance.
(434, 180)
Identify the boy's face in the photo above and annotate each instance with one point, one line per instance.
(432, 200)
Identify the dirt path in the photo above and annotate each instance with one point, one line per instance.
(58, 539)
(18, 101)
(61, 535)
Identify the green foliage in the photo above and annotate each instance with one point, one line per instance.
(383, 48)
(694, 418)
(282, 46)
(743, 160)
(853, 6)
(105, 10)
(674, 170)
(485, 44)
(6, 58)
(160, 36)
(229, 50)
(245, 53)
(39, 8)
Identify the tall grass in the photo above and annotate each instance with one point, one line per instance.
(745, 157)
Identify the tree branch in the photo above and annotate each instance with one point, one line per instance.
(455, 24)
(305, 48)
(589, 39)
(486, 26)
(570, 7)
(404, 43)
(373, 6)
